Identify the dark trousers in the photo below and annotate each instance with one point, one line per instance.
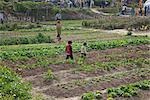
(58, 37)
(69, 56)
(82, 4)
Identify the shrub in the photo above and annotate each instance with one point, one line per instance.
(16, 26)
(40, 38)
(92, 96)
(11, 86)
(49, 75)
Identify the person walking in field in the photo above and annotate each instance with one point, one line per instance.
(58, 28)
(69, 53)
(83, 50)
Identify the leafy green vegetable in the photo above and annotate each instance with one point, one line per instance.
(11, 85)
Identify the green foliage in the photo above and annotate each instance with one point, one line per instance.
(144, 85)
(125, 91)
(111, 23)
(6, 6)
(51, 50)
(108, 66)
(11, 86)
(40, 38)
(28, 5)
(128, 90)
(8, 27)
(49, 75)
(122, 91)
(92, 96)
(15, 26)
(86, 68)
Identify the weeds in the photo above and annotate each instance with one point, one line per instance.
(49, 75)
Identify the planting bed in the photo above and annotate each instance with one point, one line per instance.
(129, 64)
(110, 63)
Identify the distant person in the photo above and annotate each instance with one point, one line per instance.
(2, 18)
(70, 4)
(145, 10)
(124, 8)
(58, 16)
(2, 21)
(83, 50)
(140, 12)
(88, 3)
(132, 11)
(82, 3)
(69, 53)
(91, 3)
(58, 28)
(103, 4)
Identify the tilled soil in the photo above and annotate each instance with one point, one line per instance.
(66, 73)
(76, 91)
(93, 56)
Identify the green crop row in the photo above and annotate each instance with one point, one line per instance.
(39, 38)
(129, 90)
(122, 91)
(53, 50)
(12, 87)
(138, 72)
(137, 62)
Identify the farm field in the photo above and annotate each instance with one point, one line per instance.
(117, 67)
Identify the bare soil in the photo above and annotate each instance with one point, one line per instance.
(66, 72)
(60, 92)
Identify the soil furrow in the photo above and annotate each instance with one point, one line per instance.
(64, 90)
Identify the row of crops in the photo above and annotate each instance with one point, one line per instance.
(50, 50)
(122, 91)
